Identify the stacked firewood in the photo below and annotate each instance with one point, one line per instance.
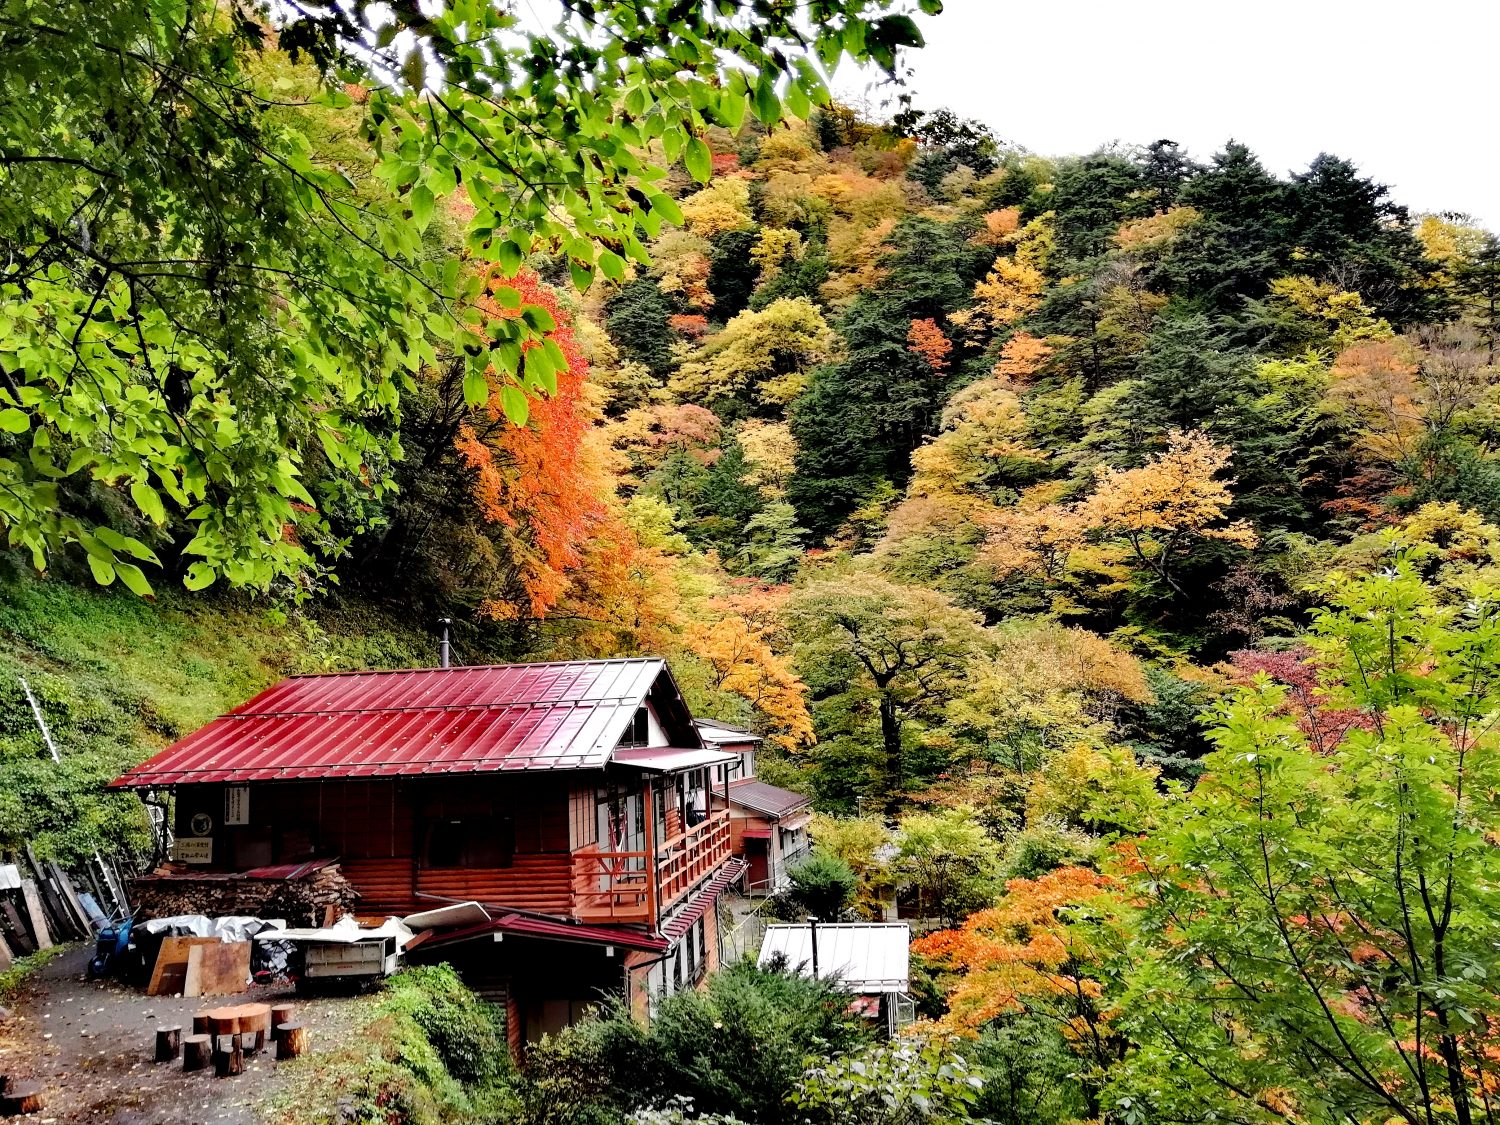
(310, 900)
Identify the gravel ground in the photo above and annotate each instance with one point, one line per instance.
(91, 1044)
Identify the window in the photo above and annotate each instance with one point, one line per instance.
(747, 763)
(639, 731)
(487, 842)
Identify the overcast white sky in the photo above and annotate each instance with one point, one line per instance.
(1409, 91)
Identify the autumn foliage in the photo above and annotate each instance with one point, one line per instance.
(537, 484)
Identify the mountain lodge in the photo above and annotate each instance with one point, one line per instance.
(577, 801)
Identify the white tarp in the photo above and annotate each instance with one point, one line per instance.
(347, 929)
(229, 928)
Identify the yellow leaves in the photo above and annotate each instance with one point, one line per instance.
(1340, 314)
(1155, 512)
(1174, 493)
(723, 205)
(1011, 290)
(1158, 231)
(744, 664)
(761, 356)
(983, 433)
(771, 452)
(776, 248)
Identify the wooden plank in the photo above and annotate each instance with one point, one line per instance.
(70, 893)
(17, 929)
(6, 957)
(170, 973)
(223, 969)
(38, 917)
(192, 977)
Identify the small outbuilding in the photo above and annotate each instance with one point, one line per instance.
(872, 960)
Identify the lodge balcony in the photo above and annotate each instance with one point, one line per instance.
(642, 886)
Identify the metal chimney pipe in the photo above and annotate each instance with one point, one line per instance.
(812, 933)
(443, 646)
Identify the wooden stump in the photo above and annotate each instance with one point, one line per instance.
(21, 1096)
(280, 1014)
(229, 1059)
(291, 1040)
(224, 1021)
(202, 1023)
(197, 1050)
(168, 1043)
(250, 1042)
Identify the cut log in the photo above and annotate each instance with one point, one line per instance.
(229, 1059)
(280, 1014)
(197, 1050)
(202, 1025)
(34, 912)
(168, 1043)
(251, 1042)
(256, 1017)
(291, 1040)
(22, 1096)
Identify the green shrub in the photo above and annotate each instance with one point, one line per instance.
(823, 885)
(467, 1033)
(738, 1047)
(426, 1052)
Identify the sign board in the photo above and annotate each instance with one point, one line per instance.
(237, 804)
(199, 850)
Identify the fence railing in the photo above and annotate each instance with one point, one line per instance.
(618, 886)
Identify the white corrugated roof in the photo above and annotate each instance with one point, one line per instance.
(866, 956)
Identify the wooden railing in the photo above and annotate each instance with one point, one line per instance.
(614, 886)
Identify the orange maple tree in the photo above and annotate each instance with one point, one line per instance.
(926, 339)
(538, 486)
(1033, 953)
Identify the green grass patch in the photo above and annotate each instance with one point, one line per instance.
(13, 980)
(426, 1051)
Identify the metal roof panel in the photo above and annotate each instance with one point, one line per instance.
(472, 719)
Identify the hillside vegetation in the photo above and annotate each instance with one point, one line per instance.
(1109, 544)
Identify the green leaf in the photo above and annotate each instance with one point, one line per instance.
(134, 580)
(476, 388)
(767, 104)
(698, 160)
(14, 421)
(507, 297)
(583, 276)
(104, 572)
(422, 203)
(510, 256)
(796, 100)
(515, 404)
(148, 500)
(539, 319)
(199, 576)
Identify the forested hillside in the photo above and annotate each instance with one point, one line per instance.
(1104, 542)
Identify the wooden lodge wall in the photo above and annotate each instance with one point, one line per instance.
(382, 832)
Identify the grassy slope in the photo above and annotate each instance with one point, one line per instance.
(118, 678)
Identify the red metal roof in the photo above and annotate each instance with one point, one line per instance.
(531, 925)
(475, 719)
(760, 797)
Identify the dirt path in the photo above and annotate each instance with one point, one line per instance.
(91, 1042)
